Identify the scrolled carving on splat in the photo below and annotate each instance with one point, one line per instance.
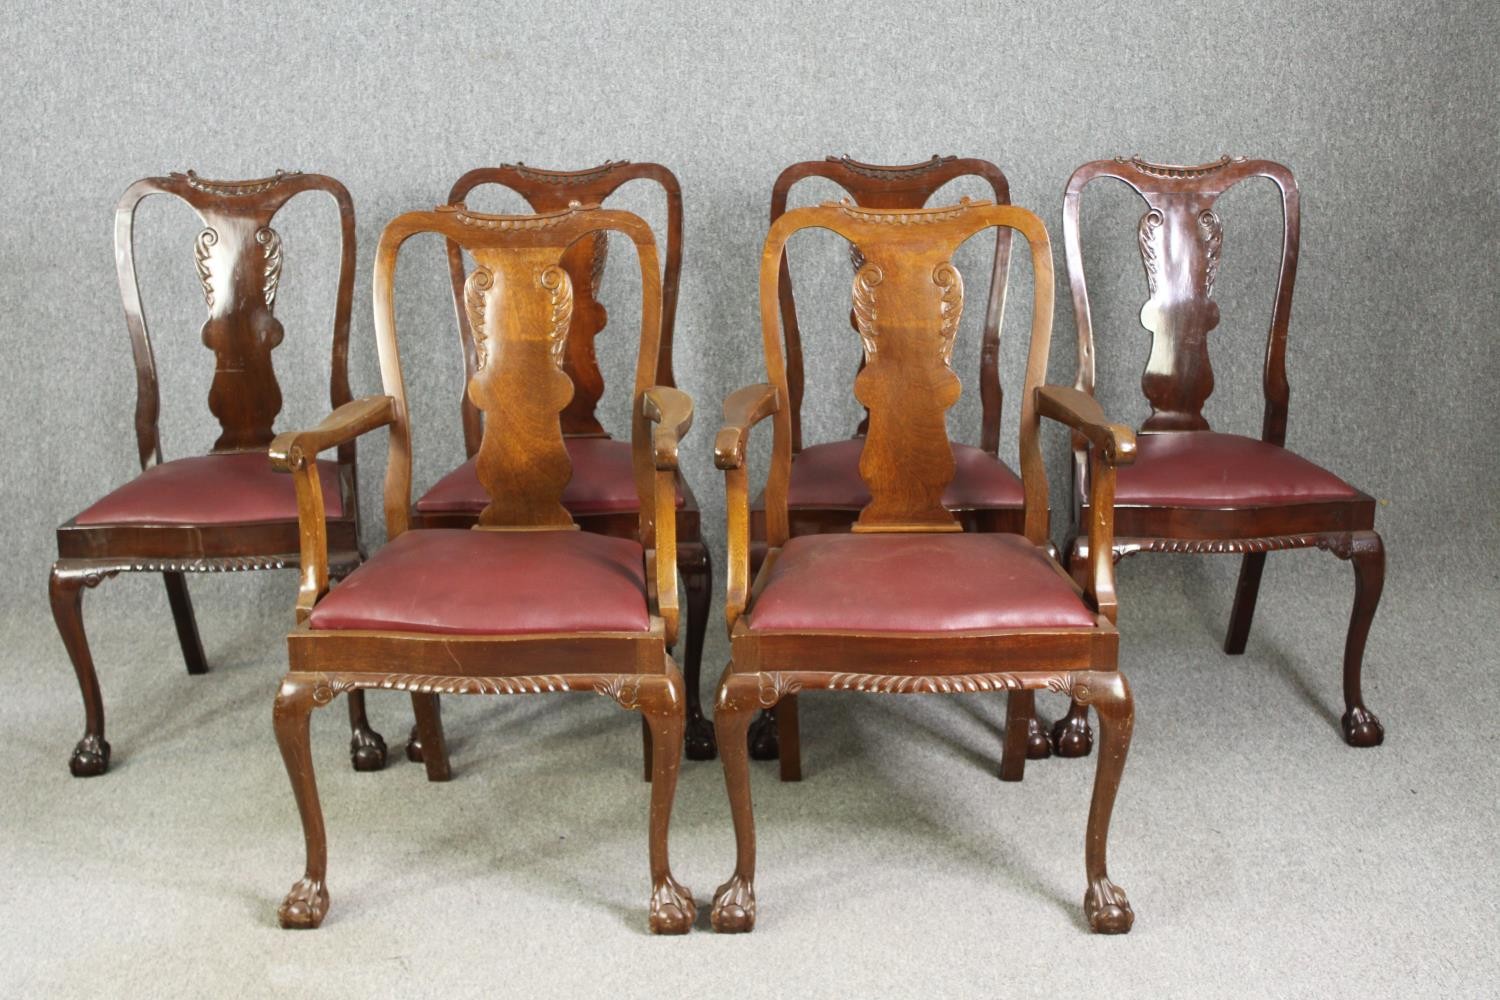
(907, 310)
(585, 261)
(239, 258)
(522, 461)
(1180, 239)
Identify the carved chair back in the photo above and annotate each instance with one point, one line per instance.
(518, 306)
(552, 191)
(910, 186)
(907, 300)
(1180, 236)
(239, 260)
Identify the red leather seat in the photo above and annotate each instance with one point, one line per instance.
(1208, 469)
(915, 583)
(603, 482)
(230, 488)
(454, 580)
(827, 475)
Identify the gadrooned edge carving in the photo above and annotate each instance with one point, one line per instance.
(597, 261)
(865, 280)
(511, 222)
(880, 172)
(236, 188)
(202, 250)
(932, 684)
(1176, 171)
(564, 177)
(947, 278)
(270, 241)
(907, 217)
(554, 280)
(479, 282)
(1337, 543)
(326, 688)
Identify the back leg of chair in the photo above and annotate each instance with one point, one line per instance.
(1244, 603)
(187, 625)
(789, 738)
(366, 746)
(432, 748)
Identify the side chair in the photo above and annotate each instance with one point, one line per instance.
(225, 511)
(1194, 489)
(952, 610)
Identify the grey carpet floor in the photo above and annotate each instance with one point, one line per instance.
(1262, 856)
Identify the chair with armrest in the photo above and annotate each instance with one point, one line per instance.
(954, 610)
(523, 602)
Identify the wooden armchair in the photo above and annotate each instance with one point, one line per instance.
(1193, 489)
(225, 511)
(956, 610)
(601, 495)
(825, 492)
(523, 603)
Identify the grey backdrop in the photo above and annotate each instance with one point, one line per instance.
(1386, 112)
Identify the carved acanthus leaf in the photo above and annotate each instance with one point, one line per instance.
(865, 281)
(202, 250)
(947, 278)
(478, 283)
(555, 280)
(1211, 231)
(1150, 225)
(625, 689)
(270, 242)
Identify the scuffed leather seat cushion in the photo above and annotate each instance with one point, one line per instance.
(915, 583)
(465, 582)
(1209, 469)
(603, 481)
(827, 475)
(229, 488)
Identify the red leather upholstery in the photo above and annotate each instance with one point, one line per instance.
(230, 488)
(915, 583)
(603, 482)
(465, 582)
(827, 476)
(1208, 469)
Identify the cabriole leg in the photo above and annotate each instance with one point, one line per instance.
(187, 625)
(307, 902)
(1367, 553)
(65, 588)
(366, 746)
(1104, 904)
(1245, 593)
(734, 902)
(662, 706)
(697, 575)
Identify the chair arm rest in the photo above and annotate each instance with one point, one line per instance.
(296, 452)
(742, 410)
(356, 417)
(1115, 443)
(671, 412)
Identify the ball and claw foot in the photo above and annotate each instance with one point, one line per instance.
(1361, 728)
(1107, 909)
(672, 908)
(734, 907)
(1072, 737)
(698, 741)
(763, 744)
(367, 750)
(1038, 744)
(305, 906)
(414, 747)
(90, 757)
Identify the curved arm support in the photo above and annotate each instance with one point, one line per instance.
(742, 410)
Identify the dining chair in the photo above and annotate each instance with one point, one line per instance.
(225, 511)
(954, 610)
(523, 602)
(1193, 489)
